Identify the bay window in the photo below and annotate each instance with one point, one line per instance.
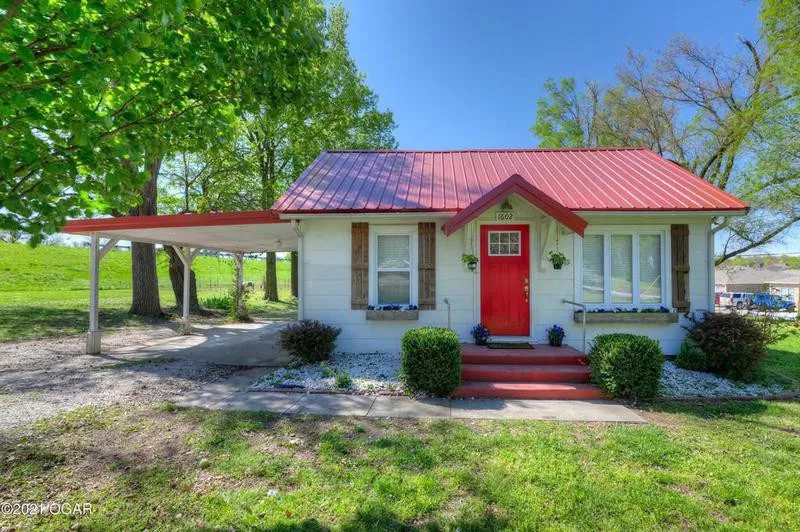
(624, 268)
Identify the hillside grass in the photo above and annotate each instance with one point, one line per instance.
(730, 466)
(44, 291)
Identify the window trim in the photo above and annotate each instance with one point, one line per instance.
(489, 243)
(411, 231)
(661, 231)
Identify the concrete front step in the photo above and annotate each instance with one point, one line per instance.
(528, 390)
(525, 373)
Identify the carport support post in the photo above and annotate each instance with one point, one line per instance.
(186, 255)
(239, 259)
(96, 255)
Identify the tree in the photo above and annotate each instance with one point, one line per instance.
(723, 117)
(206, 182)
(145, 300)
(338, 112)
(90, 90)
(782, 31)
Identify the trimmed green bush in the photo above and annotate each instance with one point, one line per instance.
(691, 357)
(309, 340)
(430, 360)
(626, 365)
(734, 345)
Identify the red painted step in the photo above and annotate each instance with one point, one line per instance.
(523, 358)
(524, 373)
(528, 390)
(542, 354)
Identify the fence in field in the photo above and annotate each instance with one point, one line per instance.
(222, 283)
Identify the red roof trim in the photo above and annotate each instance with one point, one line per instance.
(92, 225)
(517, 184)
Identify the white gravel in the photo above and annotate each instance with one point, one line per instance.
(40, 378)
(370, 373)
(677, 382)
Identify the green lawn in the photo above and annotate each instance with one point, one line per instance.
(45, 291)
(783, 357)
(730, 466)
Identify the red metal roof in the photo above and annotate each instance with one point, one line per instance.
(90, 225)
(516, 185)
(604, 179)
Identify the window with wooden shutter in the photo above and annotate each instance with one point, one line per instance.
(427, 265)
(359, 266)
(680, 267)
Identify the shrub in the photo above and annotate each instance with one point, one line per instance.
(734, 344)
(219, 301)
(430, 361)
(343, 380)
(691, 357)
(240, 312)
(309, 340)
(626, 365)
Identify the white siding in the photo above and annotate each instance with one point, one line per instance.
(326, 281)
(327, 286)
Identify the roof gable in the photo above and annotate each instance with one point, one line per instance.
(602, 179)
(516, 184)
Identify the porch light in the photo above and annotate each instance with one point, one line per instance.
(506, 206)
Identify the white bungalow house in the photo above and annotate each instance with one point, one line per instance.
(389, 229)
(390, 240)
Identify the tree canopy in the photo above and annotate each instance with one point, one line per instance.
(273, 145)
(89, 91)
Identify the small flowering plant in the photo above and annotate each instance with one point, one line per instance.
(555, 335)
(480, 334)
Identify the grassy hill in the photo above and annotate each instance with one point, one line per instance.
(48, 268)
(44, 291)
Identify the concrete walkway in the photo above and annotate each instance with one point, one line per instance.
(231, 394)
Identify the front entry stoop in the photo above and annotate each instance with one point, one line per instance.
(544, 372)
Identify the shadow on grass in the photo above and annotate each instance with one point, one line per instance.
(761, 413)
(710, 410)
(34, 322)
(27, 323)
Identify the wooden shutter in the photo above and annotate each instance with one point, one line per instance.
(426, 259)
(680, 267)
(359, 266)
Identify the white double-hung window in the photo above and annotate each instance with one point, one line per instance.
(624, 268)
(393, 265)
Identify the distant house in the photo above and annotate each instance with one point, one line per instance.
(774, 280)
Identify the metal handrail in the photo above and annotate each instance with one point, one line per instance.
(583, 318)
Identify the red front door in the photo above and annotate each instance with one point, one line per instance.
(505, 279)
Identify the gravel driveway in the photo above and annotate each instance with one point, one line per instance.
(40, 378)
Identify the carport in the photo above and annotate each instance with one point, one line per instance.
(231, 232)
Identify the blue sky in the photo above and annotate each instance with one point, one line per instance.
(462, 74)
(467, 74)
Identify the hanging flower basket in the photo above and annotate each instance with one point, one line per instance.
(470, 261)
(558, 260)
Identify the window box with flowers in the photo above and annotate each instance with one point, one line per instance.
(393, 313)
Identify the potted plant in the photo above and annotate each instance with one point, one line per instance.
(555, 335)
(470, 261)
(558, 259)
(480, 334)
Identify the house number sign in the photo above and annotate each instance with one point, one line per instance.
(503, 216)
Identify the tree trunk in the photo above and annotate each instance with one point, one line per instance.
(294, 274)
(271, 281)
(145, 300)
(176, 279)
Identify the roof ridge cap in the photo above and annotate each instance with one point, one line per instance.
(492, 150)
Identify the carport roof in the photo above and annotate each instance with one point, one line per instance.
(246, 231)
